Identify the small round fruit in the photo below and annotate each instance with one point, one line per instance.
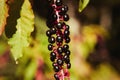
(59, 39)
(65, 47)
(53, 54)
(66, 32)
(53, 30)
(65, 17)
(67, 60)
(68, 65)
(51, 40)
(67, 52)
(60, 62)
(67, 39)
(67, 27)
(59, 50)
(50, 47)
(56, 77)
(59, 2)
(52, 59)
(66, 8)
(65, 57)
(56, 68)
(53, 17)
(59, 25)
(63, 10)
(48, 33)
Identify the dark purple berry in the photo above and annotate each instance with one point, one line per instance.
(56, 68)
(52, 58)
(66, 32)
(59, 39)
(54, 17)
(67, 52)
(67, 39)
(59, 50)
(50, 47)
(63, 10)
(67, 60)
(53, 30)
(59, 25)
(66, 8)
(65, 57)
(68, 65)
(65, 47)
(65, 17)
(53, 54)
(51, 40)
(59, 2)
(67, 27)
(48, 33)
(56, 77)
(60, 62)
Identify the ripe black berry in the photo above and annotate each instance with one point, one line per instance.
(59, 50)
(59, 25)
(67, 27)
(59, 39)
(66, 8)
(53, 30)
(65, 47)
(59, 2)
(53, 54)
(50, 47)
(67, 39)
(67, 52)
(51, 40)
(67, 60)
(56, 77)
(48, 33)
(65, 17)
(66, 32)
(63, 10)
(52, 58)
(65, 57)
(69, 65)
(54, 17)
(56, 68)
(60, 62)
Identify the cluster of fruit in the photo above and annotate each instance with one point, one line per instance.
(58, 36)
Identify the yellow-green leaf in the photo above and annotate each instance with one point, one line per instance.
(3, 14)
(83, 4)
(25, 25)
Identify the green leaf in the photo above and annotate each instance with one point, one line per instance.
(31, 70)
(3, 14)
(83, 4)
(25, 25)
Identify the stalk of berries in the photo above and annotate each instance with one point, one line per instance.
(58, 38)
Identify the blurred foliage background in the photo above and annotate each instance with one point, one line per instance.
(95, 43)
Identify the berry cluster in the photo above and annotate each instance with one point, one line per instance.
(58, 38)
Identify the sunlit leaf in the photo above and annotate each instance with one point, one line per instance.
(25, 25)
(82, 4)
(3, 14)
